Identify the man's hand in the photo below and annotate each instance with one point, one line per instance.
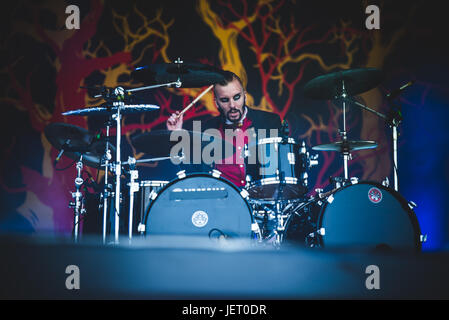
(175, 123)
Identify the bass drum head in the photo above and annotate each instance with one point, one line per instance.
(200, 205)
(369, 215)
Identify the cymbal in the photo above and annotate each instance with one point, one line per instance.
(105, 110)
(346, 146)
(356, 81)
(191, 75)
(72, 138)
(77, 141)
(158, 144)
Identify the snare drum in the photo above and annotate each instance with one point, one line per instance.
(200, 205)
(280, 171)
(370, 215)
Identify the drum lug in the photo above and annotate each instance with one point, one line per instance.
(181, 174)
(321, 232)
(152, 195)
(141, 228)
(244, 194)
(134, 186)
(313, 161)
(303, 149)
(412, 205)
(423, 238)
(386, 182)
(216, 174)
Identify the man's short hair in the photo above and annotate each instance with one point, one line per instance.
(229, 77)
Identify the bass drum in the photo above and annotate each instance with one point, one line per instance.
(200, 205)
(368, 215)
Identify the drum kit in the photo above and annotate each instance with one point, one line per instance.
(273, 208)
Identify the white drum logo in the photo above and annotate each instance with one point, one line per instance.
(375, 195)
(200, 219)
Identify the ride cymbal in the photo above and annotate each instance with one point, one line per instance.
(191, 75)
(356, 81)
(346, 146)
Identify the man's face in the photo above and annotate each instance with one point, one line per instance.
(230, 99)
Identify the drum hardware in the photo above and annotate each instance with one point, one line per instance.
(181, 174)
(84, 147)
(115, 106)
(339, 182)
(339, 86)
(393, 119)
(133, 187)
(78, 205)
(107, 157)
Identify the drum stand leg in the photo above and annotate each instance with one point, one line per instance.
(107, 188)
(118, 171)
(133, 187)
(77, 205)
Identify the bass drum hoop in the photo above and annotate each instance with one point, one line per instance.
(192, 175)
(404, 204)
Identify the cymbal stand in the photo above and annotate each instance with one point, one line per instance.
(118, 97)
(120, 92)
(77, 205)
(346, 153)
(393, 119)
(107, 188)
(133, 187)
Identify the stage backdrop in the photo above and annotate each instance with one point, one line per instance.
(275, 46)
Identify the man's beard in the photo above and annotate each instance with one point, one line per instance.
(233, 110)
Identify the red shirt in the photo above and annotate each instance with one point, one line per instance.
(233, 168)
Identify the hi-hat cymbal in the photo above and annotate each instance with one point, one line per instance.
(77, 141)
(191, 75)
(105, 110)
(346, 146)
(356, 81)
(158, 143)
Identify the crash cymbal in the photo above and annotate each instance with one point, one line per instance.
(356, 81)
(158, 144)
(191, 75)
(68, 137)
(346, 146)
(105, 110)
(77, 141)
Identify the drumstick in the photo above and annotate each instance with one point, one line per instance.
(194, 101)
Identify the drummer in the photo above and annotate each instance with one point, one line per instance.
(230, 99)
